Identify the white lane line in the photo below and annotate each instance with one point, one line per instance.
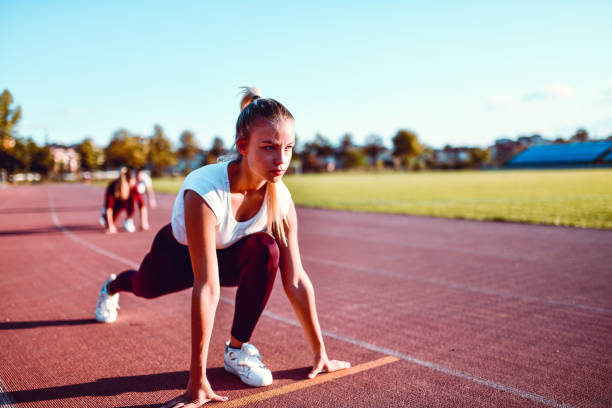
(423, 363)
(436, 367)
(84, 243)
(407, 357)
(455, 285)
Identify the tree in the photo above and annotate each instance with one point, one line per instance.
(26, 156)
(217, 149)
(350, 155)
(188, 146)
(479, 156)
(322, 146)
(188, 150)
(13, 158)
(160, 155)
(345, 146)
(308, 158)
(346, 143)
(91, 156)
(373, 148)
(8, 117)
(12, 150)
(581, 135)
(428, 157)
(355, 158)
(126, 149)
(41, 160)
(406, 146)
(314, 154)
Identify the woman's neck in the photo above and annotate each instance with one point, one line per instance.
(242, 180)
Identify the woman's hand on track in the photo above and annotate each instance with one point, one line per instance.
(324, 365)
(195, 397)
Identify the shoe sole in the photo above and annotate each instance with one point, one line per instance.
(231, 371)
(100, 320)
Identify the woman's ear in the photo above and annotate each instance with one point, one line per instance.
(241, 145)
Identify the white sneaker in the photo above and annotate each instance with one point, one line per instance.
(107, 305)
(246, 364)
(128, 225)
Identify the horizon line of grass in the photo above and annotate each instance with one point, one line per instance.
(576, 197)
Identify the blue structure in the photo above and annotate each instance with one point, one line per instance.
(572, 154)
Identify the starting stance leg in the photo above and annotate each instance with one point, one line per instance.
(250, 264)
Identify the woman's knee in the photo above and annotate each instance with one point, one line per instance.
(263, 247)
(146, 282)
(146, 290)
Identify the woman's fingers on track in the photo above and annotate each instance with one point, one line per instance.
(217, 398)
(318, 368)
(314, 372)
(328, 367)
(184, 402)
(335, 365)
(175, 403)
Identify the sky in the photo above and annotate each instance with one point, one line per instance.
(463, 73)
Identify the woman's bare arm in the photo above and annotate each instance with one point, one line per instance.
(301, 294)
(200, 226)
(109, 221)
(151, 195)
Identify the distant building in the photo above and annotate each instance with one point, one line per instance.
(452, 157)
(535, 140)
(558, 155)
(505, 149)
(65, 158)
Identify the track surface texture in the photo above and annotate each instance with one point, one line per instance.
(430, 312)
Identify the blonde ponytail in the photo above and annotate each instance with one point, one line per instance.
(250, 94)
(277, 223)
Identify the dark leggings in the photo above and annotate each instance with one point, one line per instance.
(250, 264)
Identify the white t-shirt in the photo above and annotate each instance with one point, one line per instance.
(211, 182)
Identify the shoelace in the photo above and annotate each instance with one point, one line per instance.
(250, 357)
(251, 350)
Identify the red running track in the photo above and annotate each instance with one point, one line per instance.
(462, 313)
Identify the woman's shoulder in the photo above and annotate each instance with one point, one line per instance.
(213, 174)
(209, 183)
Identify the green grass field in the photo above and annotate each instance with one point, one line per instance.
(581, 198)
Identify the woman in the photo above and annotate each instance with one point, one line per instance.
(118, 197)
(233, 224)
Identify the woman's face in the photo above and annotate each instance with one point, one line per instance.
(269, 148)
